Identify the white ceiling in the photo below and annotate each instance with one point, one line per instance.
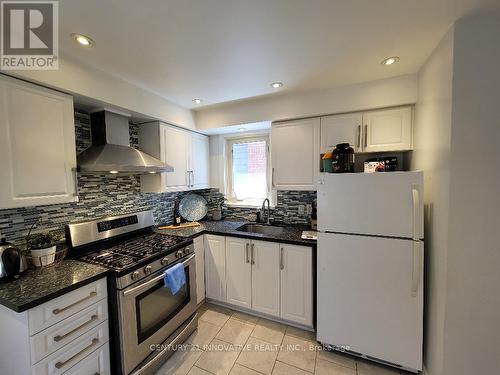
(223, 50)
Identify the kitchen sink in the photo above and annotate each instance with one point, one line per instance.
(261, 228)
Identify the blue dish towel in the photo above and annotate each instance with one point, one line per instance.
(175, 278)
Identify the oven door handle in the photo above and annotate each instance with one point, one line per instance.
(153, 280)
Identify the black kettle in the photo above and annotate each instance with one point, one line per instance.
(12, 261)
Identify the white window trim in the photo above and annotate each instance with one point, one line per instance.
(230, 141)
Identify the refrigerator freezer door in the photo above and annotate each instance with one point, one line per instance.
(370, 296)
(384, 204)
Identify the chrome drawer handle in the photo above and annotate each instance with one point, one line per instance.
(61, 337)
(282, 263)
(246, 250)
(58, 311)
(59, 365)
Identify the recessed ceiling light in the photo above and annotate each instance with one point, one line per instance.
(197, 101)
(152, 172)
(276, 85)
(241, 129)
(113, 172)
(390, 60)
(83, 40)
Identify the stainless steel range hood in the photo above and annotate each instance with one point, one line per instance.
(111, 152)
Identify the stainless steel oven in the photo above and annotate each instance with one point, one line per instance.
(150, 315)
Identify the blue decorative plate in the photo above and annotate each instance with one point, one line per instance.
(193, 207)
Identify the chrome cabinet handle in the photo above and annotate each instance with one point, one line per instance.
(59, 365)
(358, 136)
(62, 337)
(272, 177)
(75, 180)
(246, 250)
(192, 178)
(253, 254)
(58, 311)
(282, 260)
(366, 136)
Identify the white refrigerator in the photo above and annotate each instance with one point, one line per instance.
(370, 266)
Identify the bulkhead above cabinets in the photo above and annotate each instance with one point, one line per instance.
(186, 151)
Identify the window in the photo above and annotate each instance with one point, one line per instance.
(248, 167)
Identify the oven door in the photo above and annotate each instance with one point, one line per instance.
(149, 313)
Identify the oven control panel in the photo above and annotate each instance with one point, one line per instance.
(158, 265)
(103, 226)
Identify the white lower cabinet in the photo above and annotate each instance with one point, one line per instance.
(238, 272)
(266, 277)
(66, 335)
(215, 267)
(199, 250)
(296, 284)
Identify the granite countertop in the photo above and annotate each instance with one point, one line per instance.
(41, 285)
(291, 233)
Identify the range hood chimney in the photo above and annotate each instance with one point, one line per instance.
(111, 152)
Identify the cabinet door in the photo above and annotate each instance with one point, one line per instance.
(199, 161)
(199, 250)
(265, 277)
(388, 130)
(176, 143)
(238, 272)
(215, 267)
(295, 154)
(37, 145)
(296, 284)
(341, 129)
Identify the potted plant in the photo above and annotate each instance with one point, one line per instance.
(42, 247)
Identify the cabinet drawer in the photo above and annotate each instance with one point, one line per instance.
(69, 355)
(60, 308)
(62, 333)
(96, 363)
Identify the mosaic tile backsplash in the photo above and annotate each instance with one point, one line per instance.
(106, 194)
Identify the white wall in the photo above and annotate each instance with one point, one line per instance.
(432, 155)
(472, 322)
(90, 83)
(377, 94)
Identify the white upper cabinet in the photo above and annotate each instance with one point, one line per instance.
(382, 130)
(185, 151)
(37, 145)
(295, 154)
(388, 130)
(341, 129)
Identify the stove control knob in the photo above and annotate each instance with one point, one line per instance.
(179, 254)
(187, 250)
(135, 275)
(147, 270)
(164, 261)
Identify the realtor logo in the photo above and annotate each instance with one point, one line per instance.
(29, 35)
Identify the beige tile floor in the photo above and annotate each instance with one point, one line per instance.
(230, 342)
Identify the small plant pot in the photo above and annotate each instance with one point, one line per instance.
(43, 257)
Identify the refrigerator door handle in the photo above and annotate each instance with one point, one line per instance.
(415, 277)
(416, 208)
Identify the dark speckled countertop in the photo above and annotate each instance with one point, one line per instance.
(291, 233)
(42, 285)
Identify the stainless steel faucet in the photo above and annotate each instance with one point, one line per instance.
(263, 209)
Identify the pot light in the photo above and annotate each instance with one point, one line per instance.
(276, 85)
(113, 172)
(197, 101)
(83, 40)
(390, 60)
(241, 129)
(152, 172)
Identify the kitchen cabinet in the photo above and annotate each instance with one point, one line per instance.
(199, 251)
(185, 151)
(215, 267)
(387, 130)
(238, 272)
(296, 284)
(383, 130)
(68, 334)
(341, 129)
(37, 145)
(265, 277)
(295, 154)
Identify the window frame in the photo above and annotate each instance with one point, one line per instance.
(230, 141)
